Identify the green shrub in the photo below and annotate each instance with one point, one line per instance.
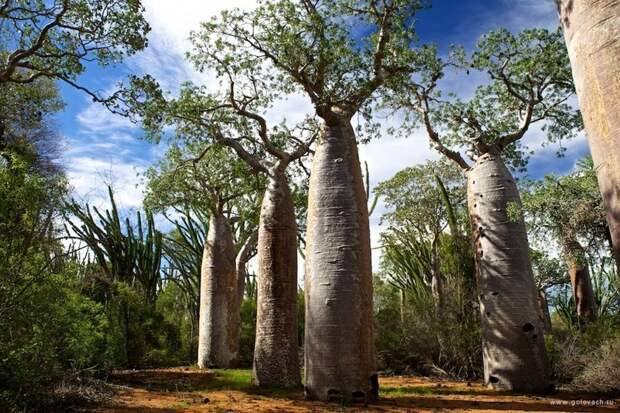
(53, 331)
(418, 338)
(248, 332)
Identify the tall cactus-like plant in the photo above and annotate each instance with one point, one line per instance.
(371, 205)
(410, 261)
(148, 253)
(124, 253)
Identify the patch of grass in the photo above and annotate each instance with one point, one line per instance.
(404, 391)
(241, 379)
(190, 379)
(231, 379)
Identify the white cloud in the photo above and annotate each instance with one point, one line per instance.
(104, 151)
(171, 23)
(173, 20)
(522, 14)
(95, 118)
(385, 157)
(89, 177)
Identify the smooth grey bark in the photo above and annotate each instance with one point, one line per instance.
(218, 293)
(243, 256)
(276, 359)
(513, 344)
(581, 283)
(544, 310)
(592, 33)
(339, 342)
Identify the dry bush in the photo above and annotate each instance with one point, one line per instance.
(79, 392)
(601, 373)
(586, 358)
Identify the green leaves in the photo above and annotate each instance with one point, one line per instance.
(526, 79)
(423, 202)
(338, 52)
(204, 178)
(55, 39)
(568, 206)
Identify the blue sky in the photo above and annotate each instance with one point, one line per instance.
(102, 148)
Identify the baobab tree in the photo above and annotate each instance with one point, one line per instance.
(530, 82)
(548, 273)
(570, 209)
(215, 180)
(312, 47)
(591, 30)
(235, 119)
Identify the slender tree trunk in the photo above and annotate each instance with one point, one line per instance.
(193, 342)
(403, 302)
(128, 353)
(218, 293)
(592, 33)
(241, 262)
(243, 256)
(513, 346)
(580, 280)
(544, 310)
(276, 359)
(437, 280)
(339, 342)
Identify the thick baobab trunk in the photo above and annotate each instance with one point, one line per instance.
(513, 346)
(276, 359)
(243, 256)
(580, 280)
(592, 33)
(339, 343)
(543, 306)
(218, 293)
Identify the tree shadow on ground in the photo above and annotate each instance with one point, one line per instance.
(189, 379)
(179, 388)
(421, 402)
(389, 391)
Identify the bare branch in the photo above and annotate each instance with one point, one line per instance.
(509, 139)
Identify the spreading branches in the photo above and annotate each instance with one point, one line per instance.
(530, 82)
(310, 46)
(455, 156)
(54, 40)
(234, 119)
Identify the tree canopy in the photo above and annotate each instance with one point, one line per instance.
(527, 81)
(58, 39)
(338, 52)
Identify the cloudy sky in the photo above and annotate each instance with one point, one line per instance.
(102, 148)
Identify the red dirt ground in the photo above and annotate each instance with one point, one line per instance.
(190, 390)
